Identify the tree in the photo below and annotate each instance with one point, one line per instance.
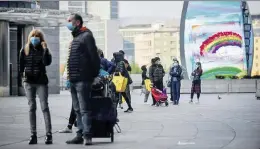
(135, 68)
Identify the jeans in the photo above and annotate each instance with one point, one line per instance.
(81, 94)
(175, 91)
(42, 91)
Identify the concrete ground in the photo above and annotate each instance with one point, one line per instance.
(231, 123)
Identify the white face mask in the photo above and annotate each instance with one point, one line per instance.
(175, 64)
(158, 62)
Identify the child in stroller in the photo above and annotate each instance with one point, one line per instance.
(160, 96)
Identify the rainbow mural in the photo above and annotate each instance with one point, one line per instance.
(213, 35)
(218, 40)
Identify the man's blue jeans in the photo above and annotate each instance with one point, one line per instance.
(81, 94)
(175, 91)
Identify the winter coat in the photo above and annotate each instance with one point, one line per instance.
(33, 65)
(83, 61)
(156, 73)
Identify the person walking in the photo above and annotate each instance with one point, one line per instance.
(144, 77)
(121, 68)
(33, 59)
(176, 76)
(156, 74)
(196, 82)
(83, 67)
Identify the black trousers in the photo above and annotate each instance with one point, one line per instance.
(126, 95)
(158, 85)
(72, 118)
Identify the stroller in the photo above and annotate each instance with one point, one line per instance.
(104, 115)
(160, 96)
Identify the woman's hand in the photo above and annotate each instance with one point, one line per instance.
(44, 45)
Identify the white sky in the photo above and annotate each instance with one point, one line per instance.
(164, 9)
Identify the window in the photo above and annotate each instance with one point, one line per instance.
(75, 9)
(256, 41)
(256, 48)
(256, 56)
(75, 3)
(149, 43)
(172, 42)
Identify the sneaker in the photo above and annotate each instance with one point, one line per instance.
(33, 140)
(65, 130)
(88, 141)
(76, 140)
(190, 101)
(129, 110)
(48, 139)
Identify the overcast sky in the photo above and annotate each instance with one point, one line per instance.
(164, 9)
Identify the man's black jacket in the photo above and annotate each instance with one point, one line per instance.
(83, 61)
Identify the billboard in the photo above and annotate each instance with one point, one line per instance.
(214, 36)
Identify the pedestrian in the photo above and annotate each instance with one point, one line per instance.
(34, 58)
(130, 81)
(176, 76)
(144, 77)
(83, 67)
(73, 116)
(105, 64)
(121, 67)
(196, 82)
(156, 74)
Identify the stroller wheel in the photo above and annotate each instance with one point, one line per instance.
(166, 104)
(157, 104)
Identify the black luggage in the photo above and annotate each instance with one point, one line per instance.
(104, 114)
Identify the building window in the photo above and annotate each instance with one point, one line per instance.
(256, 48)
(256, 56)
(75, 3)
(256, 40)
(75, 9)
(172, 42)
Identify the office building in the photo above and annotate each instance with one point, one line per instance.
(100, 24)
(14, 30)
(130, 31)
(162, 42)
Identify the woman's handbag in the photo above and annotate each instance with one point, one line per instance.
(120, 83)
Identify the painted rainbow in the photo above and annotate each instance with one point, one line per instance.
(218, 40)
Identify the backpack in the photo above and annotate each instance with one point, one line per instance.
(158, 73)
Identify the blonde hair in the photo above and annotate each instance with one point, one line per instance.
(33, 33)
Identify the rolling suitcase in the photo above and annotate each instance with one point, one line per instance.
(103, 114)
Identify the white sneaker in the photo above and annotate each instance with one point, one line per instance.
(65, 130)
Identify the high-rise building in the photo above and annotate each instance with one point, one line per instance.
(14, 30)
(162, 42)
(104, 26)
(107, 10)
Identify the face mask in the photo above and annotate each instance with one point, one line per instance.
(70, 26)
(175, 64)
(35, 41)
(197, 66)
(158, 62)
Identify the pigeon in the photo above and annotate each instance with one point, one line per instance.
(219, 97)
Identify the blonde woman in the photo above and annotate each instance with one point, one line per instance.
(34, 57)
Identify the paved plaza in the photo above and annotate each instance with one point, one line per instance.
(232, 122)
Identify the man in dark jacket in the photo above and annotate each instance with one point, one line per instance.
(156, 74)
(83, 66)
(121, 68)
